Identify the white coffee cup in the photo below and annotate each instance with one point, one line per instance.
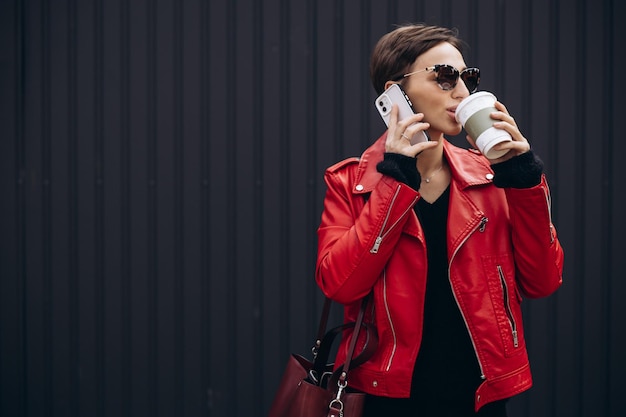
(474, 114)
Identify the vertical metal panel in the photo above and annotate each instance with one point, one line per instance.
(616, 59)
(161, 186)
(12, 206)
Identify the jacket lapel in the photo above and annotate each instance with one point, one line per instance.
(468, 169)
(474, 170)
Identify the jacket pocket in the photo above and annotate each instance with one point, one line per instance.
(507, 306)
(506, 302)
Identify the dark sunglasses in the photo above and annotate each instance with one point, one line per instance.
(448, 76)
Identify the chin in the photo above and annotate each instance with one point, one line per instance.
(452, 131)
(448, 127)
(455, 129)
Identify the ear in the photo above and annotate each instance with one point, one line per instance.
(390, 83)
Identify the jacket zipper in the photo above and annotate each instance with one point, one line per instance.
(393, 329)
(382, 234)
(507, 306)
(546, 191)
(374, 249)
(480, 227)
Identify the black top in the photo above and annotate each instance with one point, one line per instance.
(446, 367)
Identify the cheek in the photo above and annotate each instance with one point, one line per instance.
(421, 94)
(442, 120)
(424, 103)
(433, 106)
(432, 109)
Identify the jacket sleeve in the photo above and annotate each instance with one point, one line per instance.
(356, 239)
(538, 253)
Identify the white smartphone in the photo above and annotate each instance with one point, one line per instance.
(395, 95)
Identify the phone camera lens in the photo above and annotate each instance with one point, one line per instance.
(384, 108)
(380, 103)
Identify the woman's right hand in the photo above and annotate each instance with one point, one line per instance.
(399, 134)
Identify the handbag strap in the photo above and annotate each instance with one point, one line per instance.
(321, 330)
(336, 405)
(368, 349)
(355, 335)
(322, 350)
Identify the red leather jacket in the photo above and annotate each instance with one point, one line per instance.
(501, 242)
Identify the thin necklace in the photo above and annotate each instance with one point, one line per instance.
(427, 180)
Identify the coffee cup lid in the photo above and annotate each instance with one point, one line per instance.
(471, 99)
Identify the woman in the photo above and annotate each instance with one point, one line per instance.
(446, 240)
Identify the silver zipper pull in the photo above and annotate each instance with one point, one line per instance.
(483, 224)
(374, 249)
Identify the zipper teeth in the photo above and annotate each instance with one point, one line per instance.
(399, 218)
(507, 305)
(393, 329)
(380, 237)
(382, 233)
(480, 365)
(546, 191)
(393, 201)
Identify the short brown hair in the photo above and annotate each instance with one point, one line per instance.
(396, 51)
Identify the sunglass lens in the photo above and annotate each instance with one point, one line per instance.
(471, 78)
(447, 77)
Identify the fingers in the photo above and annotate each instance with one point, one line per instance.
(399, 134)
(518, 146)
(504, 121)
(500, 106)
(502, 115)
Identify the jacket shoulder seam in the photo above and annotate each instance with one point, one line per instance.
(341, 164)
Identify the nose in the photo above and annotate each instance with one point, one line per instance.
(460, 90)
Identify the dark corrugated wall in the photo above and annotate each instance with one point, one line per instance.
(161, 166)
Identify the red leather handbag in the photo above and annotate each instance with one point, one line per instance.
(310, 388)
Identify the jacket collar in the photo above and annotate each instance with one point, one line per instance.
(468, 167)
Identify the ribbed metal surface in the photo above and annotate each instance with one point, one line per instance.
(161, 184)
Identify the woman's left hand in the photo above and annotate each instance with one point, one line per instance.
(505, 121)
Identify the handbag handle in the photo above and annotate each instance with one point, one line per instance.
(336, 405)
(369, 347)
(324, 343)
(355, 335)
(321, 329)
